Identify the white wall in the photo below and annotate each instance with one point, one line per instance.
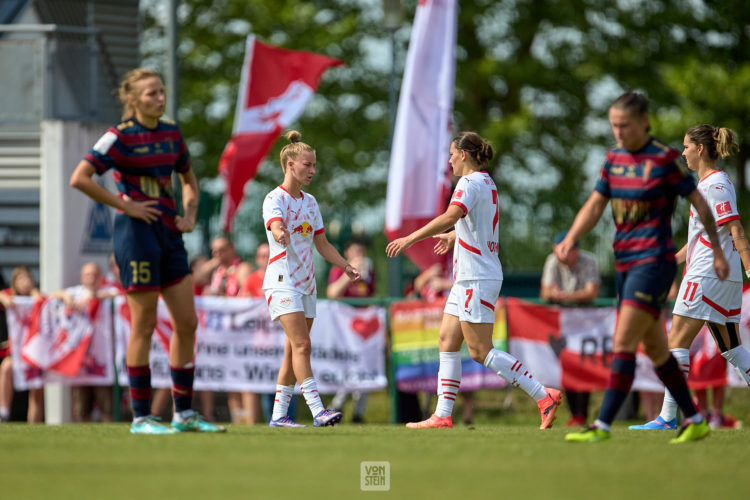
(63, 215)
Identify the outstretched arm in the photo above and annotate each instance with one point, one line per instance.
(435, 226)
(333, 256)
(445, 242)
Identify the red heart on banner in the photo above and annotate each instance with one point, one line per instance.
(365, 328)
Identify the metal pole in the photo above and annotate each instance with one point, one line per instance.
(172, 85)
(392, 21)
(171, 66)
(395, 285)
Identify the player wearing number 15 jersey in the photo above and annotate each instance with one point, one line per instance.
(143, 151)
(703, 298)
(478, 276)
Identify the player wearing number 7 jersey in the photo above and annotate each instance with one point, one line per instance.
(478, 276)
(143, 151)
(703, 298)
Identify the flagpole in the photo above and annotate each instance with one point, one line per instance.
(391, 22)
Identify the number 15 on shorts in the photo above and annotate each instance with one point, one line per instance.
(141, 272)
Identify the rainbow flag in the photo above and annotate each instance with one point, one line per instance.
(415, 326)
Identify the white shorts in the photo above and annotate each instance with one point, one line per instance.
(709, 299)
(474, 301)
(282, 302)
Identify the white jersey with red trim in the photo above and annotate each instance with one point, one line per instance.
(475, 253)
(291, 267)
(718, 191)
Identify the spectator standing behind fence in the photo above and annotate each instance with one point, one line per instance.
(196, 263)
(4, 342)
(143, 151)
(225, 270)
(253, 287)
(228, 273)
(80, 297)
(574, 281)
(253, 284)
(340, 285)
(22, 284)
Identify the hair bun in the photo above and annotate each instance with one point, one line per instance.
(293, 136)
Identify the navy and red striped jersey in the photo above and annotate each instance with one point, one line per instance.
(143, 160)
(643, 188)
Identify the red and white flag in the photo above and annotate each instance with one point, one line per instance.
(59, 338)
(570, 347)
(275, 86)
(419, 176)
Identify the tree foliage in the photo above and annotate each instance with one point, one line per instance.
(535, 77)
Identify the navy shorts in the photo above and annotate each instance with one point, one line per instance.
(150, 256)
(646, 286)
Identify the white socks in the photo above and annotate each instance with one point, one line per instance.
(449, 380)
(740, 358)
(181, 416)
(514, 372)
(281, 402)
(669, 407)
(312, 398)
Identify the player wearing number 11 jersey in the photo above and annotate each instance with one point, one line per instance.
(703, 298)
(478, 276)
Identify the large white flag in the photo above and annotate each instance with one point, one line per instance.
(418, 180)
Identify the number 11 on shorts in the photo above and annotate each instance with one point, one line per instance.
(694, 285)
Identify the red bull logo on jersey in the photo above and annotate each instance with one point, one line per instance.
(304, 229)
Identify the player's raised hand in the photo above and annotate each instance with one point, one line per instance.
(397, 246)
(144, 210)
(445, 242)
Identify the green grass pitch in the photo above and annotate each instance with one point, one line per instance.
(501, 457)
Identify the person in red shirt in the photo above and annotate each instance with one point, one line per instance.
(195, 264)
(253, 284)
(340, 285)
(228, 273)
(226, 270)
(21, 284)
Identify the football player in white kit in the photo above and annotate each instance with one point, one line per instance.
(703, 298)
(477, 274)
(293, 224)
